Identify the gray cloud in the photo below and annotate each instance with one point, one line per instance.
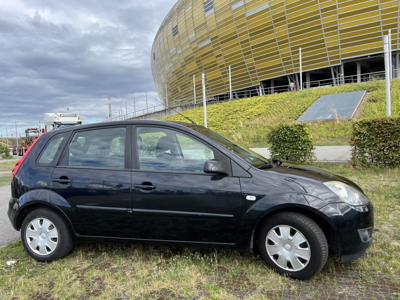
(76, 54)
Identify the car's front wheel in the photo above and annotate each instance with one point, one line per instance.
(45, 235)
(293, 245)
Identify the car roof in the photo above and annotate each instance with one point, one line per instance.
(125, 123)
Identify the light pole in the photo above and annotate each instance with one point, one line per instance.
(203, 81)
(230, 83)
(301, 68)
(388, 76)
(16, 135)
(194, 89)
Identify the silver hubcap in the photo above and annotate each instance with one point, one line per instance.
(288, 248)
(42, 236)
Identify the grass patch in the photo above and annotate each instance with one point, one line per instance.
(110, 271)
(249, 121)
(5, 172)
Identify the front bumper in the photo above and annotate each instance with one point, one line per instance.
(13, 209)
(353, 233)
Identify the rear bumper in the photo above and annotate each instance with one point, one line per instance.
(13, 208)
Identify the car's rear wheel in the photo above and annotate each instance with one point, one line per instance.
(293, 245)
(45, 235)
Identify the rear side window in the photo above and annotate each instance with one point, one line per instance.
(52, 149)
(99, 148)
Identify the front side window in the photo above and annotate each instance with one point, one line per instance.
(53, 147)
(99, 148)
(162, 149)
(251, 157)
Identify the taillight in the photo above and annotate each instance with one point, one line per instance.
(19, 163)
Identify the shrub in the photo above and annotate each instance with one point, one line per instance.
(4, 151)
(376, 143)
(291, 143)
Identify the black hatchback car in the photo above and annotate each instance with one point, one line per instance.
(183, 184)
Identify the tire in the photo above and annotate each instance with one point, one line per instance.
(46, 236)
(300, 256)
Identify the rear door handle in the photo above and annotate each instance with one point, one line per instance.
(63, 180)
(145, 186)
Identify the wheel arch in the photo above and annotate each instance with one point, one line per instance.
(322, 222)
(25, 210)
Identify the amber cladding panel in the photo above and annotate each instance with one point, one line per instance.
(260, 40)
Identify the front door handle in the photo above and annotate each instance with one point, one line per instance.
(145, 186)
(62, 180)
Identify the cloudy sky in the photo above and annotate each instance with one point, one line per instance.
(75, 54)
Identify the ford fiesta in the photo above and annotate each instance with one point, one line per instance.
(183, 184)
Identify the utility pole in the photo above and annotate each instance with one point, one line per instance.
(16, 135)
(147, 104)
(194, 90)
(301, 68)
(134, 105)
(109, 112)
(388, 77)
(230, 83)
(203, 81)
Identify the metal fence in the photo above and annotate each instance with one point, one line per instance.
(157, 106)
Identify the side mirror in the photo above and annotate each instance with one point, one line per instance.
(215, 167)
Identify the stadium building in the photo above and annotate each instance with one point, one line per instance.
(259, 42)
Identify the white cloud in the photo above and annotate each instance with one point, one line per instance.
(77, 54)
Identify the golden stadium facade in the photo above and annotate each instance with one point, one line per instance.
(260, 41)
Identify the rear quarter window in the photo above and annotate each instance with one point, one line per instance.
(51, 150)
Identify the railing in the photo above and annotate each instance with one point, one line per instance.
(252, 92)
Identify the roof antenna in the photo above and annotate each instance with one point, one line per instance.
(185, 117)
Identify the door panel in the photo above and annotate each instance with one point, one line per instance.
(101, 199)
(186, 207)
(93, 177)
(172, 197)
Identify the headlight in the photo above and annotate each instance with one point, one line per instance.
(347, 193)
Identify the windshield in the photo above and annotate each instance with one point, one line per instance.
(251, 157)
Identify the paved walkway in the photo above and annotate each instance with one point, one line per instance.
(7, 232)
(338, 154)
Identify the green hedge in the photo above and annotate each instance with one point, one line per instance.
(376, 143)
(4, 152)
(291, 143)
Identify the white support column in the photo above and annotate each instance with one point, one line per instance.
(308, 80)
(388, 77)
(358, 72)
(272, 86)
(230, 83)
(342, 80)
(203, 81)
(333, 76)
(301, 68)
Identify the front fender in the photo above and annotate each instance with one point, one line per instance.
(270, 204)
(40, 197)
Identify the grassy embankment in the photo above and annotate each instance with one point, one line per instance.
(248, 121)
(115, 271)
